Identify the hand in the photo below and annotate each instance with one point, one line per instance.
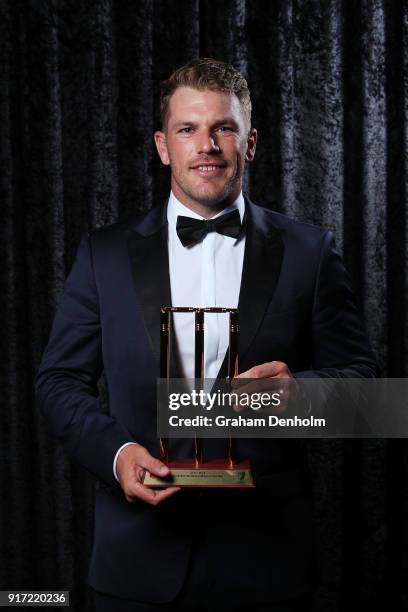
(133, 460)
(271, 377)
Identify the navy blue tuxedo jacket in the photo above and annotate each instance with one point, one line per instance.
(296, 305)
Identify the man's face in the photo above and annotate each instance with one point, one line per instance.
(206, 144)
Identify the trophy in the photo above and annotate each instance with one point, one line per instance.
(196, 472)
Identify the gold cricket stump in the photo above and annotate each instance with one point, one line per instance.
(196, 472)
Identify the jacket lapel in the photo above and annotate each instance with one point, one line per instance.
(260, 273)
(148, 253)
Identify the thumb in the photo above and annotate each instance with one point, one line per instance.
(153, 465)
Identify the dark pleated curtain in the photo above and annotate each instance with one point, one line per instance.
(79, 102)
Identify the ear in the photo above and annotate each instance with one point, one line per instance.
(161, 146)
(251, 145)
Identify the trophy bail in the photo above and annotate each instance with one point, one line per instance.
(232, 369)
(164, 368)
(199, 374)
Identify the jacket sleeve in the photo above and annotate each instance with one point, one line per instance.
(66, 382)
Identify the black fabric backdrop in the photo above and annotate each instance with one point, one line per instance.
(79, 102)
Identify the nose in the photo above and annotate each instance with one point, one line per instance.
(207, 143)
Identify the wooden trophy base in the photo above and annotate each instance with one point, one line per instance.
(210, 474)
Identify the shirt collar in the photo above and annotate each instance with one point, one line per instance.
(176, 208)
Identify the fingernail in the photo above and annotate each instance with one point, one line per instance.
(163, 469)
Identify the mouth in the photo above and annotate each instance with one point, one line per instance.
(208, 170)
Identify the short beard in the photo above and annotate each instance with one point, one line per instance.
(220, 201)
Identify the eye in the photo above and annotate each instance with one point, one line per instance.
(186, 130)
(224, 128)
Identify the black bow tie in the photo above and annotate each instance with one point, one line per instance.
(191, 230)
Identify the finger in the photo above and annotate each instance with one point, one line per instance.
(262, 393)
(150, 496)
(271, 406)
(264, 370)
(270, 399)
(261, 385)
(162, 494)
(276, 410)
(264, 410)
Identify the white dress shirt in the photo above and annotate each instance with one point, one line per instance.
(205, 274)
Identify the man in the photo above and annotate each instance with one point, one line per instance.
(182, 549)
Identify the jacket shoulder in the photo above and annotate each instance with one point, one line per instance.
(116, 234)
(302, 233)
(119, 226)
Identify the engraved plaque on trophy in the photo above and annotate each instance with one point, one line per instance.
(196, 471)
